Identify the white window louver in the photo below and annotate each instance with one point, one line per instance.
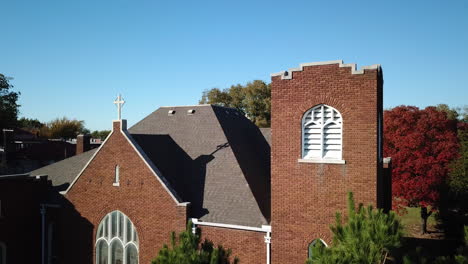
(322, 133)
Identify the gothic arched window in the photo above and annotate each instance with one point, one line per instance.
(116, 240)
(322, 133)
(316, 246)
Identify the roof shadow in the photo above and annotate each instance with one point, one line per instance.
(252, 152)
(186, 175)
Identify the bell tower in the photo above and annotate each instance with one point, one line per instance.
(326, 141)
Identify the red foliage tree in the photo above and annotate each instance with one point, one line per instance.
(421, 144)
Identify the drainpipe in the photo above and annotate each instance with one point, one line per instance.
(268, 243)
(43, 217)
(43, 227)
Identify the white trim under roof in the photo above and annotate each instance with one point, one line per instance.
(184, 106)
(287, 75)
(264, 228)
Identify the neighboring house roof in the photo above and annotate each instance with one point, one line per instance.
(62, 173)
(214, 158)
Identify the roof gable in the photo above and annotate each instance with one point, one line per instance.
(118, 129)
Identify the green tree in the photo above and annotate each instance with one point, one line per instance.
(252, 99)
(63, 128)
(101, 134)
(452, 113)
(29, 124)
(9, 106)
(368, 237)
(458, 178)
(186, 250)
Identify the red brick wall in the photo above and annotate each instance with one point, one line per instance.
(305, 196)
(140, 196)
(248, 246)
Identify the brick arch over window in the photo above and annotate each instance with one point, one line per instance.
(116, 240)
(322, 133)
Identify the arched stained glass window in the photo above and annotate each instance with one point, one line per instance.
(322, 133)
(102, 252)
(131, 254)
(116, 240)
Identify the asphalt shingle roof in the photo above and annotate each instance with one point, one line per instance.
(266, 132)
(214, 158)
(63, 173)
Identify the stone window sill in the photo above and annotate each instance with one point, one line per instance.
(323, 161)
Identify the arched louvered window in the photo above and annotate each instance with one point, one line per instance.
(315, 247)
(116, 240)
(322, 133)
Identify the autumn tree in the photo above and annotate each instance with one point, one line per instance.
(421, 143)
(63, 128)
(252, 99)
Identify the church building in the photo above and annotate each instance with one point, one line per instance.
(267, 194)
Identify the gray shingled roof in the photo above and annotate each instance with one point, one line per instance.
(214, 158)
(266, 132)
(63, 173)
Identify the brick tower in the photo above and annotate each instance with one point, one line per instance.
(326, 141)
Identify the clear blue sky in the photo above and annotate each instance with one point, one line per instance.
(71, 58)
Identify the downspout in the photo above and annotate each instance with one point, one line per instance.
(43, 228)
(268, 246)
(43, 217)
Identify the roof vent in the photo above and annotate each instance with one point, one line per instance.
(191, 111)
(171, 112)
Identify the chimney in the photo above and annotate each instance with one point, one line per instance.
(82, 143)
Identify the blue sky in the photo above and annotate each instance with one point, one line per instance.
(71, 58)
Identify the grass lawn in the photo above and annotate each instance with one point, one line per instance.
(412, 225)
(413, 217)
(433, 244)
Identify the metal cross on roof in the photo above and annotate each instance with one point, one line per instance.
(119, 102)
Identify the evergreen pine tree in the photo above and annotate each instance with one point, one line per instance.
(187, 250)
(367, 237)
